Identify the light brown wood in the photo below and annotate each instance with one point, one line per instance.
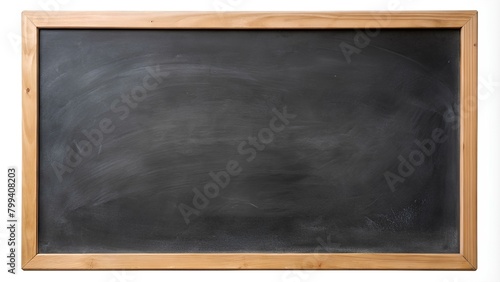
(30, 140)
(468, 141)
(248, 261)
(455, 19)
(466, 21)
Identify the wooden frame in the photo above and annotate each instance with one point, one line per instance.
(466, 21)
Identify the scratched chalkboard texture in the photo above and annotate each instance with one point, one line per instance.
(249, 141)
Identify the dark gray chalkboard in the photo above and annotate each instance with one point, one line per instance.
(320, 141)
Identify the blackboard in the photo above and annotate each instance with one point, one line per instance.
(249, 140)
(265, 141)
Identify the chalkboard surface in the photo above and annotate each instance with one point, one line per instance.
(179, 141)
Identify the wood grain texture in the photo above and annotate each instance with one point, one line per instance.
(185, 20)
(30, 139)
(466, 20)
(248, 261)
(468, 121)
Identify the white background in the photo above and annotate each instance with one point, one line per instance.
(488, 150)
